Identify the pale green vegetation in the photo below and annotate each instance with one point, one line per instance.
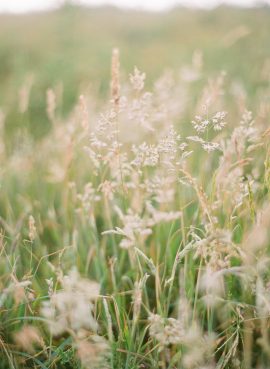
(134, 203)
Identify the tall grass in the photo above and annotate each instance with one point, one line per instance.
(135, 234)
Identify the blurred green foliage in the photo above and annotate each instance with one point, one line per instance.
(71, 48)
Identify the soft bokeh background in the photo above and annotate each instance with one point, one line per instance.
(69, 48)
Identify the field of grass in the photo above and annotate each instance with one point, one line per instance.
(134, 189)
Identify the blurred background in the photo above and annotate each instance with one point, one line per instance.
(66, 46)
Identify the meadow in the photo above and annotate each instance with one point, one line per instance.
(134, 189)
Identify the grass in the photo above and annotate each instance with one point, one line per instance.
(134, 207)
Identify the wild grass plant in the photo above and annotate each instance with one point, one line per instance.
(136, 234)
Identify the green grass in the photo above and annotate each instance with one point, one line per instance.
(204, 268)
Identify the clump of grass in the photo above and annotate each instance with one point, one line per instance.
(137, 237)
